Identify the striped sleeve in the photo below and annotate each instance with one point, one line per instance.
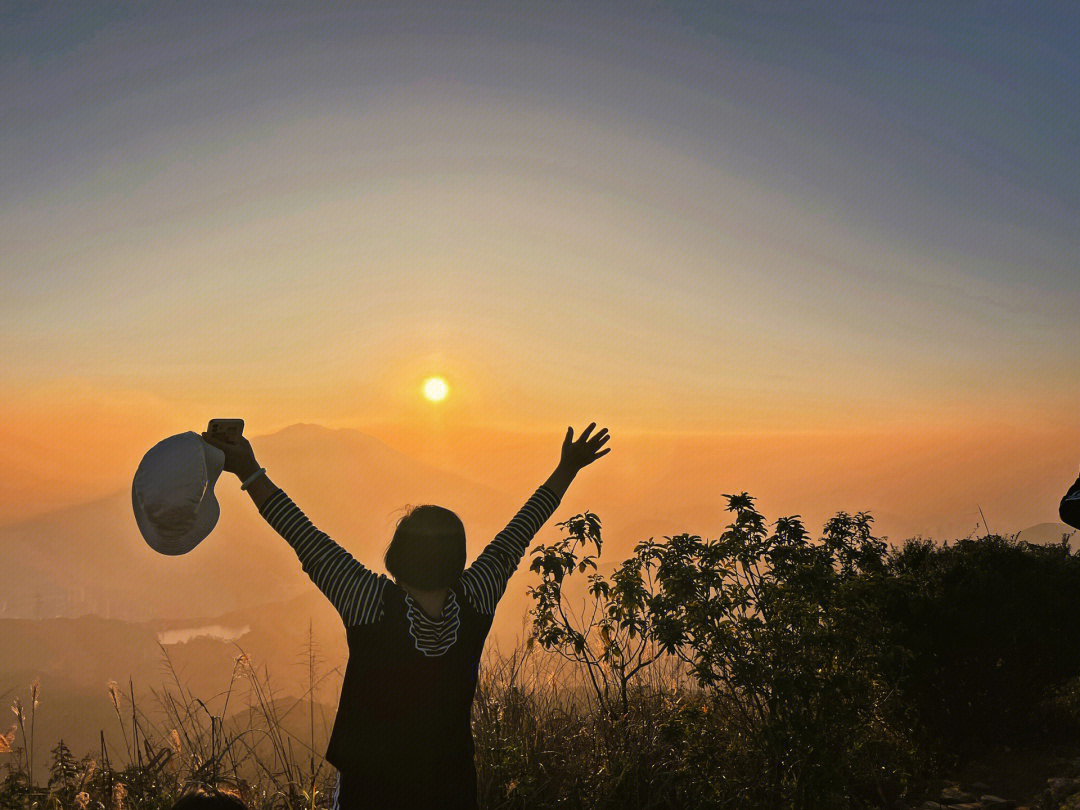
(354, 590)
(484, 582)
(1070, 506)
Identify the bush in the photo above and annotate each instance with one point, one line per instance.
(785, 637)
(993, 630)
(788, 636)
(620, 649)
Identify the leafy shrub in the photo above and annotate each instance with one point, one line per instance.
(620, 649)
(788, 636)
(992, 626)
(784, 635)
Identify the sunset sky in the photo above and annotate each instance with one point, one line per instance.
(848, 228)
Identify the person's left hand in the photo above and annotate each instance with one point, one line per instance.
(239, 457)
(584, 451)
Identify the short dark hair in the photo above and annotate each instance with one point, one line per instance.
(428, 548)
(205, 797)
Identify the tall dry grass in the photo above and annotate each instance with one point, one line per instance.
(544, 739)
(541, 741)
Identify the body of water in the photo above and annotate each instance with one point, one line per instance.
(215, 631)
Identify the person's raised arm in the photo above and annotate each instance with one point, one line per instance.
(353, 589)
(1069, 510)
(485, 580)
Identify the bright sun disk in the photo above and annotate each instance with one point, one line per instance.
(435, 389)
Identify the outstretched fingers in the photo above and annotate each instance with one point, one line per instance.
(598, 441)
(587, 447)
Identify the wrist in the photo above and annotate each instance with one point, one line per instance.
(247, 469)
(255, 476)
(560, 480)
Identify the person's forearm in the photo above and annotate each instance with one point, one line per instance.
(354, 590)
(260, 489)
(1069, 511)
(560, 480)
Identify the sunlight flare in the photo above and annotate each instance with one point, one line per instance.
(435, 389)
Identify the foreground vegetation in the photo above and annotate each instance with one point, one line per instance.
(757, 670)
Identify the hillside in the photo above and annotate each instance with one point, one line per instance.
(76, 658)
(91, 558)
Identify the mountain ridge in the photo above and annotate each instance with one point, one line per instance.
(289, 430)
(91, 558)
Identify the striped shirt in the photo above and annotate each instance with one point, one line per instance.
(357, 592)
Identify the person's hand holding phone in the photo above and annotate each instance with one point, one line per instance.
(239, 457)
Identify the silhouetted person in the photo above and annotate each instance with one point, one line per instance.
(1070, 506)
(204, 797)
(402, 736)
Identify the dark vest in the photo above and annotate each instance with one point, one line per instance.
(402, 736)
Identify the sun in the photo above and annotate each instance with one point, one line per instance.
(436, 389)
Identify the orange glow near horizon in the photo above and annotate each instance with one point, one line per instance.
(65, 445)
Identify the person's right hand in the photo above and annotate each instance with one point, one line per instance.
(584, 451)
(239, 457)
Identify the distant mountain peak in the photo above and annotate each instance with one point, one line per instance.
(80, 559)
(1045, 533)
(303, 427)
(313, 430)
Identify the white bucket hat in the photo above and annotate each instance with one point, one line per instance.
(173, 492)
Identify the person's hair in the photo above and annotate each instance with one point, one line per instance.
(428, 548)
(205, 797)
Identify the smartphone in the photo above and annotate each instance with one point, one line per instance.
(226, 430)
